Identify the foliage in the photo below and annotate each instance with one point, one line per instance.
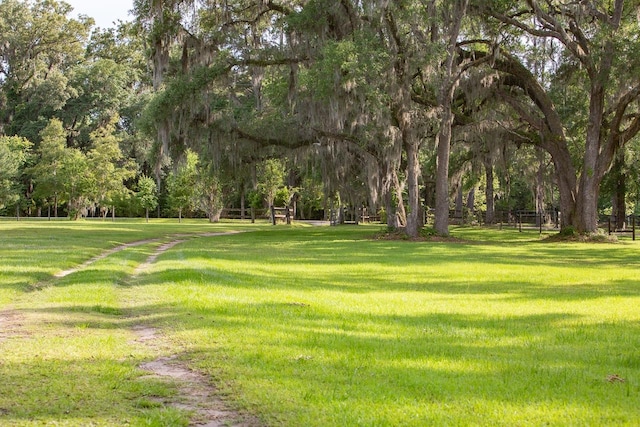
(77, 182)
(108, 167)
(85, 181)
(49, 157)
(14, 153)
(146, 194)
(52, 69)
(41, 45)
(356, 91)
(182, 184)
(312, 198)
(270, 178)
(209, 192)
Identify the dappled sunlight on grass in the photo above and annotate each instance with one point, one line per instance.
(429, 322)
(326, 326)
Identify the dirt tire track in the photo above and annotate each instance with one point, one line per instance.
(103, 255)
(149, 260)
(197, 393)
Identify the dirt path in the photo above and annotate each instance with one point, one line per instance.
(155, 256)
(149, 260)
(197, 393)
(103, 256)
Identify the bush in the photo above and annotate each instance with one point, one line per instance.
(568, 231)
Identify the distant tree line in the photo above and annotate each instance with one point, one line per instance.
(400, 107)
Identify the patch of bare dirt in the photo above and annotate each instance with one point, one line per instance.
(197, 393)
(11, 322)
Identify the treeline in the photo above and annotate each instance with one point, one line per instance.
(395, 106)
(73, 137)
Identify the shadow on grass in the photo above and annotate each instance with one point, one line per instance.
(78, 391)
(505, 286)
(300, 264)
(328, 359)
(305, 357)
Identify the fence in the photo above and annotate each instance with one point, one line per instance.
(628, 225)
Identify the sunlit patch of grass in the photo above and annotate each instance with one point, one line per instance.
(67, 354)
(331, 329)
(324, 326)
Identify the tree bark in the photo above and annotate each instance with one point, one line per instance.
(618, 202)
(589, 185)
(441, 224)
(539, 190)
(414, 214)
(445, 100)
(490, 217)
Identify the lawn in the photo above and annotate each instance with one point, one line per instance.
(318, 326)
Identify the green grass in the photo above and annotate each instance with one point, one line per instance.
(322, 326)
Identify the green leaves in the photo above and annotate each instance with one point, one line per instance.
(147, 194)
(271, 174)
(181, 184)
(82, 179)
(14, 152)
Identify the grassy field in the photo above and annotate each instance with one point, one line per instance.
(318, 326)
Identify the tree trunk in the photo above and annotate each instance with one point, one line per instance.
(539, 190)
(389, 191)
(214, 216)
(401, 212)
(459, 204)
(586, 220)
(390, 208)
(414, 216)
(471, 203)
(489, 193)
(443, 139)
(619, 207)
(242, 205)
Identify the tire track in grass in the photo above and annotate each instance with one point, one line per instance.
(149, 261)
(103, 255)
(197, 394)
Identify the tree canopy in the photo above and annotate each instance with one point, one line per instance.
(400, 107)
